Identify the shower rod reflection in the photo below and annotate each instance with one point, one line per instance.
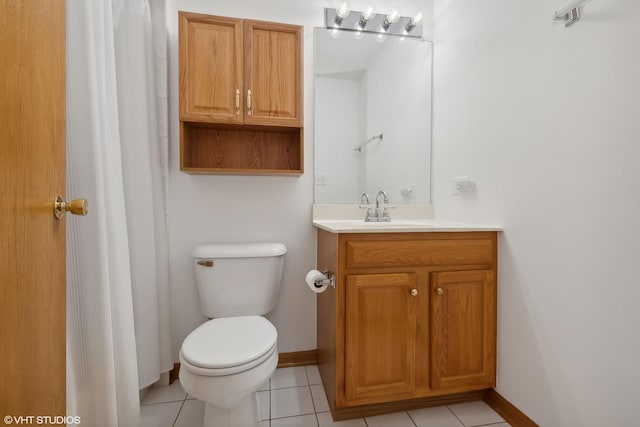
(373, 138)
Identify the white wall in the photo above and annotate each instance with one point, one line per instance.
(244, 209)
(546, 119)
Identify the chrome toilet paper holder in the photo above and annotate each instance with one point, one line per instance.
(330, 280)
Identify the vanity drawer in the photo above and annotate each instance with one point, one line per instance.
(387, 253)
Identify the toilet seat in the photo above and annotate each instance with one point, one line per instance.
(229, 345)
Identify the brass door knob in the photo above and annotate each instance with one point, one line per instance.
(76, 207)
(439, 291)
(414, 292)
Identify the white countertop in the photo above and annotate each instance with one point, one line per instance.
(398, 226)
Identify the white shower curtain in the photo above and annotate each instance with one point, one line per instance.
(143, 183)
(117, 290)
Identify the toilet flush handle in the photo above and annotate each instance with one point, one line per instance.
(206, 263)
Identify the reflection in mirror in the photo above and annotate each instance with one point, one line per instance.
(367, 86)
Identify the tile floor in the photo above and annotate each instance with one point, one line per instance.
(294, 397)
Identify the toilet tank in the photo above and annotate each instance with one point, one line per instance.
(238, 279)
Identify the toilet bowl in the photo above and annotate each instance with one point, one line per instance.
(225, 360)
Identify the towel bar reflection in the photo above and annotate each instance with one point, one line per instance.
(570, 13)
(373, 138)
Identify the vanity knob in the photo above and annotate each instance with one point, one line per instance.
(414, 292)
(439, 291)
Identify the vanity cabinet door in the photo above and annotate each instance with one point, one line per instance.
(463, 324)
(273, 77)
(210, 69)
(380, 337)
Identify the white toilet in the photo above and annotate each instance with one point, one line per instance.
(225, 360)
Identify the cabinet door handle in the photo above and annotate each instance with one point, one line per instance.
(237, 102)
(439, 291)
(249, 102)
(414, 292)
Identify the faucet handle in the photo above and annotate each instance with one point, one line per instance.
(370, 216)
(385, 214)
(386, 217)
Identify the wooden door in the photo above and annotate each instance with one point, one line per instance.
(463, 329)
(380, 337)
(210, 62)
(273, 64)
(32, 173)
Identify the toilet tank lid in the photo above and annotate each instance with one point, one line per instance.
(239, 250)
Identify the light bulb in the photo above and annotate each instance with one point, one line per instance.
(415, 20)
(341, 13)
(368, 13)
(391, 18)
(366, 16)
(343, 10)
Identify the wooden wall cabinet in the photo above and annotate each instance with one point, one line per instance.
(411, 322)
(241, 96)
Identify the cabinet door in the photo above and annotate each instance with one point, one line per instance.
(380, 337)
(273, 78)
(210, 68)
(463, 329)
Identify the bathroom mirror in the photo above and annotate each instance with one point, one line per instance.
(372, 117)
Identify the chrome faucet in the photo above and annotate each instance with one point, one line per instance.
(385, 200)
(378, 214)
(384, 215)
(364, 204)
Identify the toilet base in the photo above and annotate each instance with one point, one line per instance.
(244, 414)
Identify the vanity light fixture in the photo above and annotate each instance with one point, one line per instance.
(391, 18)
(366, 16)
(342, 19)
(413, 22)
(341, 13)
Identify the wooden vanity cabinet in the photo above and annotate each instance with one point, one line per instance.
(241, 96)
(411, 321)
